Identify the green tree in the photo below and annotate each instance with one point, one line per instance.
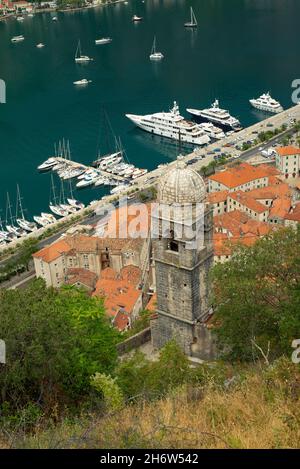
(256, 296)
(55, 340)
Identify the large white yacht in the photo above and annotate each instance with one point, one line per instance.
(218, 116)
(266, 103)
(172, 125)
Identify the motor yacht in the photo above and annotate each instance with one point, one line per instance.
(171, 125)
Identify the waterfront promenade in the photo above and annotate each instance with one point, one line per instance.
(152, 177)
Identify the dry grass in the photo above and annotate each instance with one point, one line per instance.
(258, 412)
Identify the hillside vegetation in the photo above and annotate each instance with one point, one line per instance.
(64, 386)
(257, 408)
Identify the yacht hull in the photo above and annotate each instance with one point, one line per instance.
(266, 109)
(204, 118)
(173, 134)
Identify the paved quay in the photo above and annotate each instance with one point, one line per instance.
(203, 159)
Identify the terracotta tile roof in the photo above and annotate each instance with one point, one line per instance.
(228, 223)
(70, 245)
(82, 276)
(239, 216)
(132, 274)
(118, 293)
(151, 306)
(294, 214)
(269, 169)
(287, 151)
(280, 207)
(271, 192)
(52, 252)
(258, 228)
(244, 199)
(240, 229)
(216, 197)
(121, 321)
(239, 175)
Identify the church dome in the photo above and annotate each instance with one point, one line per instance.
(181, 185)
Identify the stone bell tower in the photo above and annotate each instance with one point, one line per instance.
(183, 253)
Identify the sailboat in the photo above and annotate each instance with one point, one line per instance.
(113, 147)
(154, 54)
(79, 58)
(74, 202)
(193, 21)
(55, 208)
(21, 221)
(62, 203)
(10, 227)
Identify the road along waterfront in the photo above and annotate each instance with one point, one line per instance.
(152, 177)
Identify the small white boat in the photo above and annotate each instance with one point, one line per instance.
(79, 57)
(58, 210)
(139, 172)
(87, 181)
(69, 208)
(82, 82)
(30, 15)
(40, 45)
(41, 221)
(54, 18)
(17, 38)
(48, 216)
(137, 18)
(48, 164)
(26, 225)
(20, 18)
(119, 188)
(154, 54)
(103, 40)
(193, 21)
(75, 203)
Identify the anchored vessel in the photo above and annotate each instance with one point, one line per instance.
(82, 82)
(154, 54)
(266, 103)
(193, 21)
(172, 125)
(137, 18)
(79, 57)
(17, 38)
(218, 116)
(103, 40)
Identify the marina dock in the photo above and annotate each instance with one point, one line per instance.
(74, 164)
(202, 157)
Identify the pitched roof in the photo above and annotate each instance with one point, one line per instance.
(294, 214)
(239, 175)
(287, 151)
(270, 192)
(244, 199)
(280, 207)
(52, 252)
(216, 197)
(119, 293)
(121, 321)
(83, 276)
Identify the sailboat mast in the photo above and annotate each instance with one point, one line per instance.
(19, 204)
(8, 210)
(52, 191)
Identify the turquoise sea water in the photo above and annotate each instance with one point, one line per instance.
(240, 49)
